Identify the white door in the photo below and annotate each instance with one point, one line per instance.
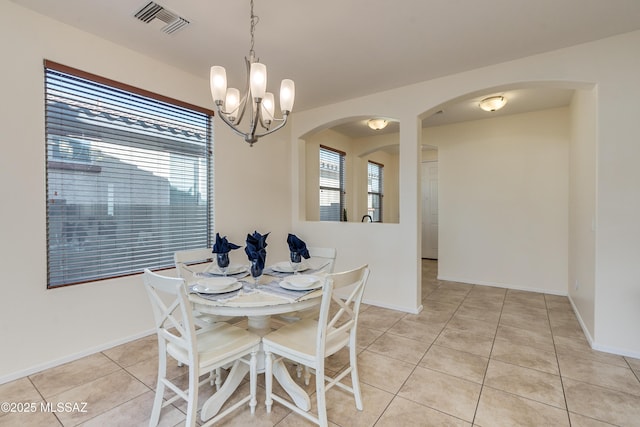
(430, 210)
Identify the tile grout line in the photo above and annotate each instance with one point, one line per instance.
(43, 398)
(482, 386)
(555, 350)
(417, 364)
(429, 348)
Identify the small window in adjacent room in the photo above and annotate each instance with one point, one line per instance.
(374, 187)
(332, 185)
(129, 177)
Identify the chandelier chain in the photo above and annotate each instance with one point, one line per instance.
(254, 21)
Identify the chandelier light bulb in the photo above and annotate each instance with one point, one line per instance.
(258, 80)
(268, 107)
(232, 103)
(218, 81)
(287, 95)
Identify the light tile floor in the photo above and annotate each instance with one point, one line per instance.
(475, 355)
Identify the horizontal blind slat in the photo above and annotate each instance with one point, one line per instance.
(129, 180)
(332, 184)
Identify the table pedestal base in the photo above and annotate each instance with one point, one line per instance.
(297, 394)
(259, 325)
(236, 375)
(212, 406)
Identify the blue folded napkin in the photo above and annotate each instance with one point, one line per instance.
(255, 248)
(222, 245)
(298, 246)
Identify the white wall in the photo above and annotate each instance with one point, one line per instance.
(582, 207)
(43, 327)
(503, 200)
(617, 270)
(253, 190)
(611, 64)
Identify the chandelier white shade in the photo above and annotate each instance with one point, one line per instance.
(493, 103)
(256, 101)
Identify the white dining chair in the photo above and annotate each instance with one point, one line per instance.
(184, 261)
(203, 351)
(308, 342)
(324, 254)
(326, 257)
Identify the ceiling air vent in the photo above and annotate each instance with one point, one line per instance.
(153, 11)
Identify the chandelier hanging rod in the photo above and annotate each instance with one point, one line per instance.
(231, 107)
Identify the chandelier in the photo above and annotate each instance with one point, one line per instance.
(256, 101)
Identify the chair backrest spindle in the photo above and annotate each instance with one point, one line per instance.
(328, 254)
(182, 259)
(174, 321)
(346, 317)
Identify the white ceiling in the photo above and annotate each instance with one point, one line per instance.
(520, 100)
(341, 49)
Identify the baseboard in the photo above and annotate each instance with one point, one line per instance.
(393, 307)
(70, 358)
(599, 347)
(615, 350)
(503, 285)
(585, 330)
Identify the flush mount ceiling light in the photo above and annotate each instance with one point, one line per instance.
(258, 103)
(493, 103)
(377, 124)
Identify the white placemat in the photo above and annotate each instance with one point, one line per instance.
(227, 296)
(273, 288)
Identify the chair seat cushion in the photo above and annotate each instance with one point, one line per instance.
(297, 341)
(223, 341)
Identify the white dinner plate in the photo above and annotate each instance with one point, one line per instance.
(216, 285)
(233, 269)
(301, 282)
(285, 267)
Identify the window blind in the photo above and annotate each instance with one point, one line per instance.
(129, 179)
(332, 185)
(375, 192)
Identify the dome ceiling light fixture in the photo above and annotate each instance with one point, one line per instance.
(256, 101)
(377, 124)
(493, 103)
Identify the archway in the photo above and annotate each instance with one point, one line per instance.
(507, 186)
(356, 147)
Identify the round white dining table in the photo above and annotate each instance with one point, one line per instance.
(258, 307)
